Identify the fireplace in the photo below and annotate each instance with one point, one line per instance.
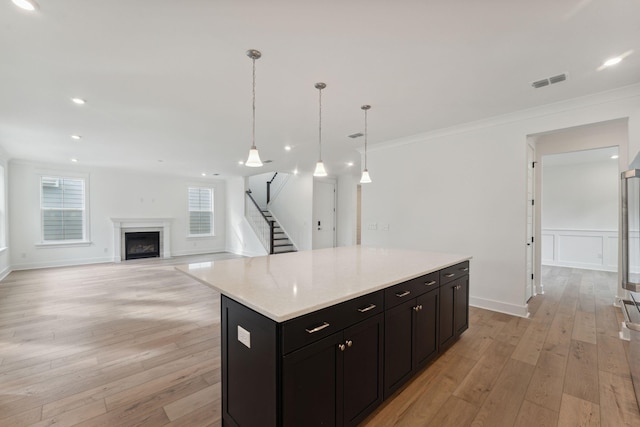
(122, 226)
(141, 244)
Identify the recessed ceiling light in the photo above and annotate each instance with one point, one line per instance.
(203, 174)
(287, 148)
(240, 162)
(611, 62)
(74, 160)
(29, 5)
(76, 136)
(614, 61)
(295, 171)
(349, 163)
(615, 156)
(79, 101)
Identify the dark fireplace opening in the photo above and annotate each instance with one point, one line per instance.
(142, 245)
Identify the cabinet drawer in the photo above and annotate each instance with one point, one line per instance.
(410, 289)
(451, 273)
(311, 327)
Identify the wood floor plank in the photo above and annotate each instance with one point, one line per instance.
(578, 412)
(192, 402)
(532, 415)
(584, 327)
(503, 404)
(547, 382)
(618, 405)
(581, 379)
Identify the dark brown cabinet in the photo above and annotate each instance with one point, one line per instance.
(454, 303)
(411, 329)
(337, 380)
(334, 366)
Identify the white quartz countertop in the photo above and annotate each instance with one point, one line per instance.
(289, 285)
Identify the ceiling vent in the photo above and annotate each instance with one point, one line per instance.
(549, 81)
(356, 135)
(267, 161)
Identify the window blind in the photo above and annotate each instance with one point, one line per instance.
(63, 209)
(200, 211)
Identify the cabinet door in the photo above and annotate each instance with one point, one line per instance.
(398, 346)
(362, 369)
(447, 327)
(425, 337)
(312, 384)
(461, 305)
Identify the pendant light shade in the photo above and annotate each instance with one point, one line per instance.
(254, 157)
(320, 170)
(365, 173)
(365, 177)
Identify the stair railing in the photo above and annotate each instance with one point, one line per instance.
(260, 223)
(275, 185)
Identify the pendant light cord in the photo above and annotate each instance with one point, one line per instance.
(253, 124)
(320, 125)
(365, 139)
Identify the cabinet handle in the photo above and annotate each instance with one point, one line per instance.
(417, 307)
(349, 343)
(458, 288)
(431, 283)
(318, 328)
(365, 309)
(341, 347)
(403, 294)
(464, 269)
(450, 275)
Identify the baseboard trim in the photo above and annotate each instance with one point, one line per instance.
(4, 273)
(501, 307)
(65, 263)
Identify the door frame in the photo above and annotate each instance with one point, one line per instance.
(335, 208)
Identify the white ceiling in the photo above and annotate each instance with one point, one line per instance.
(169, 80)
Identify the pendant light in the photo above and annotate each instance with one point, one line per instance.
(365, 173)
(254, 158)
(320, 170)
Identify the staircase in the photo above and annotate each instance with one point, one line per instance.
(281, 242)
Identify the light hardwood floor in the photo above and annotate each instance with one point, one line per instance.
(137, 344)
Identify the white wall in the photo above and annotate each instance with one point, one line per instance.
(293, 209)
(580, 215)
(463, 190)
(346, 209)
(5, 253)
(112, 194)
(580, 196)
(241, 239)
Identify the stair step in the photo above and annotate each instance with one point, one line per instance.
(282, 246)
(285, 252)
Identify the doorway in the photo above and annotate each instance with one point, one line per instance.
(567, 249)
(324, 214)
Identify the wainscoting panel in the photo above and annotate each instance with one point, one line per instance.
(590, 249)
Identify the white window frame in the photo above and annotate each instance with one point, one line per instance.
(86, 239)
(213, 210)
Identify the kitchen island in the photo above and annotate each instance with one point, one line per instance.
(322, 337)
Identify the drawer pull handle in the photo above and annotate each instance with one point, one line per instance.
(431, 283)
(464, 269)
(365, 309)
(318, 328)
(403, 294)
(450, 275)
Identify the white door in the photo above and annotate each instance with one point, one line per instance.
(530, 282)
(324, 214)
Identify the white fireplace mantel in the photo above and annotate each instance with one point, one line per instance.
(122, 225)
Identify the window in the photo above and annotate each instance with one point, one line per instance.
(62, 204)
(200, 211)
